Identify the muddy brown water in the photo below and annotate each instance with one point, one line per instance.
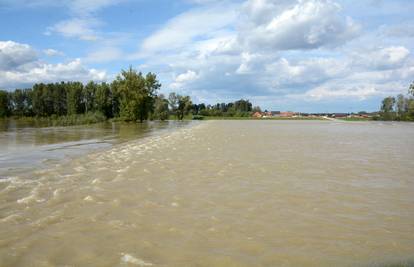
(219, 193)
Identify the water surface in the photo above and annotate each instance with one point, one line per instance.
(25, 145)
(221, 193)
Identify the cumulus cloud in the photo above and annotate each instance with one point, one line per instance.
(289, 25)
(273, 49)
(20, 66)
(13, 55)
(383, 58)
(184, 78)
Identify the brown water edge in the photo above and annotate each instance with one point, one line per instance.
(222, 193)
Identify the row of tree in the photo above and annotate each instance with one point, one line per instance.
(398, 108)
(132, 96)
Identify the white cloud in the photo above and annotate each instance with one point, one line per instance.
(383, 58)
(189, 27)
(104, 54)
(82, 28)
(184, 78)
(13, 55)
(19, 66)
(83, 23)
(52, 52)
(290, 25)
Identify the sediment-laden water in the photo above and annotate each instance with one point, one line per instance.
(221, 193)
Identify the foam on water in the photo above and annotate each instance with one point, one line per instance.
(127, 258)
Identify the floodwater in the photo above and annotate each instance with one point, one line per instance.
(220, 193)
(24, 145)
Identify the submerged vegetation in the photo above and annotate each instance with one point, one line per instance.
(132, 96)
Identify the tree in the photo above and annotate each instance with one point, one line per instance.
(256, 109)
(21, 102)
(401, 107)
(89, 96)
(180, 105)
(411, 89)
(59, 99)
(173, 102)
(4, 104)
(103, 100)
(37, 99)
(387, 108)
(136, 94)
(74, 97)
(184, 106)
(161, 108)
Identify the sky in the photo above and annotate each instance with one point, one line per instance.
(298, 55)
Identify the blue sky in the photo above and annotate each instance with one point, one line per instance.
(301, 55)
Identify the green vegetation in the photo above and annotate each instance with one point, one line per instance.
(253, 118)
(240, 108)
(356, 119)
(132, 96)
(400, 108)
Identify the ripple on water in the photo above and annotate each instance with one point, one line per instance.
(128, 258)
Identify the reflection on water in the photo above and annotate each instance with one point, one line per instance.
(221, 193)
(25, 145)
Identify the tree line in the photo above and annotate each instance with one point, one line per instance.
(132, 96)
(399, 108)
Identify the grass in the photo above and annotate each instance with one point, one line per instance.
(355, 119)
(68, 120)
(252, 118)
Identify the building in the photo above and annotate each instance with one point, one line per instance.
(257, 115)
(287, 114)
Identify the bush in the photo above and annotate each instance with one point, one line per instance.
(198, 117)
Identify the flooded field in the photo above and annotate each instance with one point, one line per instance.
(219, 193)
(25, 146)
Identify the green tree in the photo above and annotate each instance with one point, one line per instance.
(401, 105)
(89, 94)
(21, 102)
(387, 108)
(161, 111)
(136, 94)
(37, 99)
(59, 99)
(74, 97)
(173, 103)
(184, 106)
(103, 99)
(4, 104)
(256, 109)
(411, 89)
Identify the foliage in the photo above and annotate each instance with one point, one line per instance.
(400, 108)
(132, 96)
(4, 104)
(137, 94)
(160, 108)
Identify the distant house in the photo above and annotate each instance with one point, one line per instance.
(287, 114)
(340, 115)
(267, 114)
(257, 115)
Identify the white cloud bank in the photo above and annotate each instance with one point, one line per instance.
(20, 66)
(268, 49)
